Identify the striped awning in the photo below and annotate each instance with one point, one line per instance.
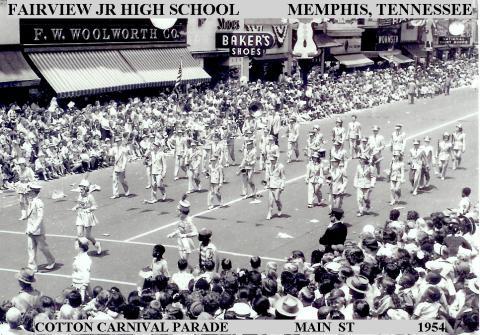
(15, 71)
(77, 73)
(396, 58)
(354, 60)
(159, 67)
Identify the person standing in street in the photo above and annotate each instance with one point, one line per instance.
(396, 176)
(275, 182)
(86, 219)
(417, 161)
(444, 154)
(336, 232)
(293, 131)
(459, 147)
(377, 144)
(364, 181)
(159, 171)
(246, 170)
(185, 231)
(354, 133)
(314, 179)
(120, 155)
(399, 140)
(412, 90)
(25, 176)
(36, 230)
(428, 167)
(338, 180)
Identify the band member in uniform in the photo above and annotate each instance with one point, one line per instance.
(293, 131)
(444, 153)
(396, 176)
(120, 156)
(159, 170)
(354, 133)
(272, 150)
(312, 145)
(194, 159)
(36, 230)
(338, 182)
(230, 137)
(339, 153)
(364, 181)
(458, 138)
(377, 143)
(417, 161)
(398, 140)
(215, 175)
(86, 219)
(319, 139)
(314, 179)
(217, 147)
(364, 149)
(146, 145)
(25, 176)
(246, 169)
(186, 229)
(275, 182)
(264, 139)
(428, 166)
(179, 147)
(338, 132)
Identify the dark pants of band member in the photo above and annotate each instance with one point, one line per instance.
(412, 98)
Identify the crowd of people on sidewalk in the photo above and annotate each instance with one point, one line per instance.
(411, 267)
(56, 141)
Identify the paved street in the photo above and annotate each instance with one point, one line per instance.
(129, 228)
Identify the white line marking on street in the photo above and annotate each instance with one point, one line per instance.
(144, 243)
(291, 180)
(69, 277)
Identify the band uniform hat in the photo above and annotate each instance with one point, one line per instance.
(118, 139)
(83, 240)
(71, 104)
(376, 128)
(333, 267)
(184, 203)
(193, 144)
(21, 160)
(427, 139)
(364, 139)
(338, 120)
(396, 153)
(315, 155)
(312, 132)
(34, 186)
(288, 306)
(26, 275)
(416, 142)
(271, 138)
(337, 143)
(204, 232)
(446, 134)
(459, 125)
(213, 158)
(398, 125)
(358, 283)
(84, 183)
(334, 159)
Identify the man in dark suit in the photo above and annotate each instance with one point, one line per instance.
(336, 232)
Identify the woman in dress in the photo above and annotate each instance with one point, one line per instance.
(458, 139)
(185, 231)
(86, 220)
(444, 153)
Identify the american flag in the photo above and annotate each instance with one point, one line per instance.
(179, 77)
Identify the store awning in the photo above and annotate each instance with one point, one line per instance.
(15, 71)
(77, 73)
(159, 67)
(415, 50)
(324, 41)
(354, 60)
(395, 58)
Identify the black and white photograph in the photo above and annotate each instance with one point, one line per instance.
(227, 168)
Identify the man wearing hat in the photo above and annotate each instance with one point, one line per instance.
(377, 144)
(338, 132)
(399, 140)
(458, 139)
(159, 171)
(246, 169)
(336, 232)
(28, 296)
(275, 182)
(276, 124)
(293, 131)
(312, 144)
(25, 176)
(120, 154)
(207, 250)
(314, 179)
(427, 149)
(364, 149)
(354, 133)
(36, 230)
(338, 182)
(339, 153)
(146, 145)
(364, 181)
(412, 90)
(417, 161)
(288, 307)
